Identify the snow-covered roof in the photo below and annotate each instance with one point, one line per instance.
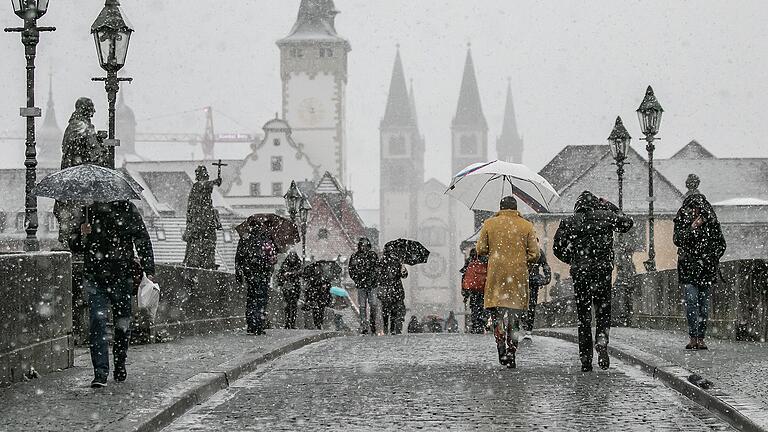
(741, 202)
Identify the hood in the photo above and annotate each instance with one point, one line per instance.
(586, 201)
(364, 245)
(699, 201)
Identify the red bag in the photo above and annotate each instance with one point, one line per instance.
(474, 277)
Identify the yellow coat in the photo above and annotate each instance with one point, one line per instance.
(510, 243)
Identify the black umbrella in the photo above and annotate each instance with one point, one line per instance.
(86, 184)
(282, 231)
(410, 252)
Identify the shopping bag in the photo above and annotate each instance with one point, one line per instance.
(149, 297)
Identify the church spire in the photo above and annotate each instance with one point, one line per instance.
(399, 111)
(50, 113)
(509, 146)
(412, 100)
(316, 21)
(49, 135)
(469, 111)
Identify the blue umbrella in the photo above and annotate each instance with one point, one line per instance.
(339, 292)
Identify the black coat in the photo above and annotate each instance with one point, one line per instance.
(699, 249)
(535, 276)
(391, 275)
(318, 288)
(364, 268)
(585, 240)
(289, 275)
(255, 258)
(116, 228)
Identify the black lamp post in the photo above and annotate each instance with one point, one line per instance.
(293, 201)
(649, 113)
(30, 11)
(112, 34)
(304, 218)
(619, 142)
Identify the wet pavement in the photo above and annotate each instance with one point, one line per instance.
(443, 382)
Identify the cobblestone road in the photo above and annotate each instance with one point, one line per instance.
(443, 382)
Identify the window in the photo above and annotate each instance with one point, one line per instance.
(326, 52)
(276, 142)
(227, 236)
(255, 189)
(468, 145)
(322, 233)
(160, 234)
(20, 222)
(277, 189)
(297, 52)
(277, 163)
(51, 222)
(397, 145)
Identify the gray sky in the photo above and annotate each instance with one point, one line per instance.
(574, 66)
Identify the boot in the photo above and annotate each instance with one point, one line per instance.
(511, 361)
(693, 344)
(701, 345)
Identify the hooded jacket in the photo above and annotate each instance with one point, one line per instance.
(699, 249)
(364, 266)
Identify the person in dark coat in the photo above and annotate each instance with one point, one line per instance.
(317, 295)
(701, 244)
(414, 326)
(475, 297)
(108, 235)
(539, 275)
(289, 280)
(391, 291)
(363, 269)
(451, 323)
(585, 241)
(255, 261)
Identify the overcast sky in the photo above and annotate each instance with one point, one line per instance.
(574, 66)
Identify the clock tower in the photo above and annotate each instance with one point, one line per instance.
(313, 64)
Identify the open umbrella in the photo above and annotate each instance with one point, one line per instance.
(87, 184)
(282, 231)
(410, 252)
(481, 186)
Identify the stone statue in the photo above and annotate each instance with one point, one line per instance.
(202, 222)
(81, 145)
(692, 184)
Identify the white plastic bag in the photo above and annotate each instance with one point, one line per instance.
(149, 296)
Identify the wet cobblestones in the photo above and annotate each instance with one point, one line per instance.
(446, 382)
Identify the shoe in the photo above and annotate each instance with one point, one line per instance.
(586, 367)
(700, 345)
(528, 336)
(693, 344)
(603, 360)
(511, 361)
(503, 359)
(99, 382)
(120, 374)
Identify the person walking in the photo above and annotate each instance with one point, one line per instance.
(255, 261)
(391, 291)
(108, 235)
(473, 279)
(414, 326)
(585, 242)
(363, 269)
(700, 244)
(509, 242)
(289, 280)
(317, 295)
(539, 275)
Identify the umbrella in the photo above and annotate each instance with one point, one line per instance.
(86, 184)
(282, 231)
(410, 252)
(327, 270)
(339, 292)
(481, 186)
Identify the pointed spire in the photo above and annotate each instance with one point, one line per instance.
(50, 113)
(509, 146)
(399, 112)
(469, 111)
(412, 100)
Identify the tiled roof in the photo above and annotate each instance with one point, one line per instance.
(572, 162)
(721, 179)
(173, 248)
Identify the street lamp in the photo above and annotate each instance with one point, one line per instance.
(112, 34)
(619, 142)
(304, 218)
(649, 113)
(293, 199)
(30, 11)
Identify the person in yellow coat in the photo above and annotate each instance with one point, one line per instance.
(510, 242)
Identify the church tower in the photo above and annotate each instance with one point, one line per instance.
(469, 129)
(125, 129)
(313, 64)
(402, 160)
(509, 146)
(49, 135)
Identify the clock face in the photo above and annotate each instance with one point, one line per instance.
(312, 112)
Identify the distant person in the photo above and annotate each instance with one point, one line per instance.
(451, 323)
(701, 244)
(289, 280)
(255, 261)
(363, 269)
(317, 295)
(473, 280)
(509, 242)
(539, 275)
(108, 239)
(585, 242)
(414, 326)
(391, 291)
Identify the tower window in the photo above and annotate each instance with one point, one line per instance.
(326, 52)
(468, 145)
(277, 163)
(276, 142)
(322, 233)
(297, 52)
(397, 146)
(255, 189)
(277, 189)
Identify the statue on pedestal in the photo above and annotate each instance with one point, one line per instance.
(202, 222)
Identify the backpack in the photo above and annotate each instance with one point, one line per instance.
(474, 277)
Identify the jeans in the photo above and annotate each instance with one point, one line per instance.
(103, 290)
(696, 309)
(367, 297)
(593, 290)
(533, 300)
(477, 312)
(393, 316)
(257, 298)
(506, 328)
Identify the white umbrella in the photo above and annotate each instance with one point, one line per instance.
(481, 186)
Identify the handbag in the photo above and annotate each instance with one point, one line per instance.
(475, 276)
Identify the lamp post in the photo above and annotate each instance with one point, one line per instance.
(30, 11)
(619, 140)
(112, 34)
(649, 113)
(304, 217)
(293, 201)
